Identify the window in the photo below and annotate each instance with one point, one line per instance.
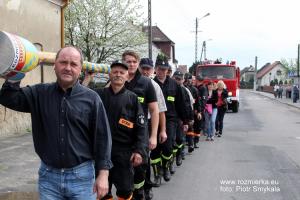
(217, 72)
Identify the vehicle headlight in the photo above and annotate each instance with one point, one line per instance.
(230, 94)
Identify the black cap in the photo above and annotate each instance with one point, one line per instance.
(199, 78)
(178, 74)
(162, 64)
(188, 76)
(146, 62)
(117, 63)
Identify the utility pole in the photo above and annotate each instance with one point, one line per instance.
(203, 50)
(149, 30)
(196, 35)
(255, 73)
(196, 40)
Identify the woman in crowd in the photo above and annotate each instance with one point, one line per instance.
(221, 106)
(211, 111)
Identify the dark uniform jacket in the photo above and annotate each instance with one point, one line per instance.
(174, 98)
(187, 103)
(203, 93)
(144, 90)
(126, 119)
(195, 95)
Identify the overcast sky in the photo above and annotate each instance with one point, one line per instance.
(239, 29)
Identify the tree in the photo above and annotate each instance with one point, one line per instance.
(103, 29)
(192, 69)
(291, 65)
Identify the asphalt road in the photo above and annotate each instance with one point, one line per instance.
(256, 159)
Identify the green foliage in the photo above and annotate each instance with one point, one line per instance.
(290, 65)
(272, 83)
(285, 82)
(162, 56)
(103, 29)
(192, 68)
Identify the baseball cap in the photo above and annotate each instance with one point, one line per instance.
(162, 64)
(146, 62)
(187, 76)
(199, 78)
(178, 74)
(119, 63)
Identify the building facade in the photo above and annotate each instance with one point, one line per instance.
(269, 72)
(40, 22)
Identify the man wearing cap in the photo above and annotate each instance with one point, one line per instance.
(183, 125)
(174, 100)
(128, 129)
(145, 91)
(147, 69)
(188, 83)
(202, 98)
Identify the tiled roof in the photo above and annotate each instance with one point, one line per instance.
(266, 68)
(158, 35)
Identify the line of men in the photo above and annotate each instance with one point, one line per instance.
(114, 134)
(172, 107)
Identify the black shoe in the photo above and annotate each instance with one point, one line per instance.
(178, 160)
(148, 194)
(190, 149)
(196, 146)
(139, 194)
(182, 155)
(172, 169)
(166, 174)
(156, 181)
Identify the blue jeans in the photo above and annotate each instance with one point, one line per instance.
(213, 121)
(72, 183)
(210, 120)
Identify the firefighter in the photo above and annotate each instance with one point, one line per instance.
(174, 100)
(146, 68)
(183, 125)
(145, 91)
(199, 124)
(128, 129)
(188, 83)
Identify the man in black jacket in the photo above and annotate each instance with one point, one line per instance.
(128, 129)
(174, 100)
(188, 83)
(178, 150)
(145, 91)
(199, 124)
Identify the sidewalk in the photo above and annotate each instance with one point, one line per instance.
(284, 100)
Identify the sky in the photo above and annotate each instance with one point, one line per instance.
(235, 29)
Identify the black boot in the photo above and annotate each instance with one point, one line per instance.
(157, 175)
(148, 194)
(139, 194)
(171, 166)
(178, 159)
(166, 174)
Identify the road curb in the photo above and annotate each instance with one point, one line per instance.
(273, 99)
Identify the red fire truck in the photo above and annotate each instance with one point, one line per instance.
(229, 73)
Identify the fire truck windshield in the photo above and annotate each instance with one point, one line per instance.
(217, 72)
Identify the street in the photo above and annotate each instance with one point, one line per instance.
(256, 158)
